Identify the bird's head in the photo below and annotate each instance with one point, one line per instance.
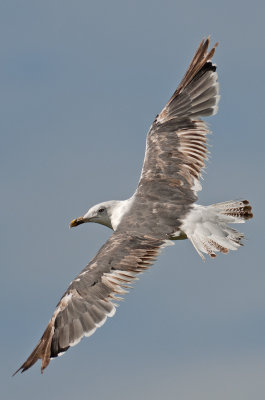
(100, 213)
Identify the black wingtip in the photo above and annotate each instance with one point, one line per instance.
(20, 368)
(209, 66)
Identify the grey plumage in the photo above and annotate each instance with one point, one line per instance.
(89, 298)
(175, 152)
(162, 208)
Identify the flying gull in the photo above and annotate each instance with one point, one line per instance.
(161, 210)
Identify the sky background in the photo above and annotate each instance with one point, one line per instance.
(81, 83)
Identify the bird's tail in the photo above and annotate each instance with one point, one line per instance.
(208, 228)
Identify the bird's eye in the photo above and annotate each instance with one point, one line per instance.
(101, 210)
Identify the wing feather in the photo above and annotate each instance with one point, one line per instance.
(176, 152)
(89, 300)
(179, 129)
(175, 155)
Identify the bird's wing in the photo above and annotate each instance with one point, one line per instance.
(91, 297)
(176, 143)
(175, 152)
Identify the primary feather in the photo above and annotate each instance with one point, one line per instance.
(161, 209)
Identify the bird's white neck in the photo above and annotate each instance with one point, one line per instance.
(118, 211)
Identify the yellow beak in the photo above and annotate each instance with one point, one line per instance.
(76, 222)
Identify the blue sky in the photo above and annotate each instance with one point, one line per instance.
(81, 82)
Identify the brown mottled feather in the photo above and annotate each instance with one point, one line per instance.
(199, 60)
(176, 151)
(175, 155)
(89, 298)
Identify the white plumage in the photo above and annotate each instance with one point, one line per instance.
(161, 209)
(208, 226)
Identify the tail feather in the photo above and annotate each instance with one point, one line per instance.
(208, 227)
(240, 210)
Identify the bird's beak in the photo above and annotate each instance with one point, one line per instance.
(77, 221)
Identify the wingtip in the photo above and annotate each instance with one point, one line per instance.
(205, 43)
(21, 369)
(24, 368)
(208, 39)
(201, 57)
(16, 372)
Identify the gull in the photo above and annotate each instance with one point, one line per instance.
(161, 210)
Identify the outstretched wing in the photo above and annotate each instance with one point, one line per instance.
(176, 151)
(91, 297)
(176, 143)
